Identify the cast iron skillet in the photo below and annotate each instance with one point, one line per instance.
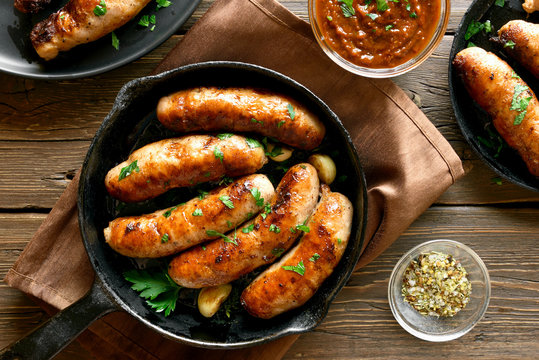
(18, 57)
(474, 123)
(132, 123)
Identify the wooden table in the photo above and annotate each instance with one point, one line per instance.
(46, 128)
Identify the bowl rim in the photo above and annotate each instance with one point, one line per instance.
(445, 10)
(405, 259)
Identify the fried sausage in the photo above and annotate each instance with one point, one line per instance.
(241, 109)
(166, 164)
(76, 23)
(496, 88)
(31, 6)
(523, 38)
(257, 243)
(530, 6)
(280, 288)
(172, 230)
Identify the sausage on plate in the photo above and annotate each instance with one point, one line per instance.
(77, 23)
(31, 6)
(243, 110)
(186, 161)
(293, 280)
(172, 230)
(514, 109)
(258, 242)
(521, 41)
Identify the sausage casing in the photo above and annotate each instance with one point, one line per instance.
(172, 230)
(318, 252)
(30, 6)
(76, 23)
(184, 161)
(269, 235)
(493, 84)
(243, 110)
(525, 43)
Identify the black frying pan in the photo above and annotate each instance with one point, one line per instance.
(131, 124)
(474, 123)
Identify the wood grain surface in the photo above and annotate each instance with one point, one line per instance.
(46, 128)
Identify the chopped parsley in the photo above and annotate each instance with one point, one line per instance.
(329, 18)
(291, 111)
(229, 223)
(347, 8)
(252, 143)
(169, 211)
(163, 4)
(224, 136)
(373, 16)
(381, 5)
(267, 210)
(256, 194)
(225, 238)
(248, 228)
(164, 238)
(115, 41)
(156, 287)
(197, 212)
(520, 104)
(413, 15)
(203, 247)
(510, 44)
(274, 228)
(470, 44)
(276, 151)
(146, 20)
(475, 27)
(497, 180)
(226, 200)
(277, 252)
(303, 227)
(218, 154)
(280, 123)
(388, 27)
(202, 194)
(100, 9)
(339, 240)
(128, 170)
(253, 120)
(299, 268)
(499, 3)
(315, 257)
(225, 180)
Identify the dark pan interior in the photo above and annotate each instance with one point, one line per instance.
(132, 123)
(474, 123)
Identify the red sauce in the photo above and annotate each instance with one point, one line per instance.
(378, 39)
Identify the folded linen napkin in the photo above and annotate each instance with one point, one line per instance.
(408, 165)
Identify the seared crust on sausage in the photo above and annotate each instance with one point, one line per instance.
(492, 83)
(277, 290)
(243, 110)
(77, 24)
(184, 161)
(172, 230)
(525, 37)
(31, 6)
(272, 233)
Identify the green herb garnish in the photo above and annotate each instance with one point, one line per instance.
(510, 44)
(291, 111)
(499, 3)
(299, 268)
(226, 200)
(373, 16)
(253, 120)
(169, 211)
(315, 257)
(202, 194)
(388, 27)
(164, 238)
(276, 151)
(128, 170)
(248, 228)
(224, 136)
(100, 9)
(277, 252)
(115, 41)
(280, 123)
(303, 227)
(162, 4)
(274, 228)
(497, 180)
(256, 194)
(381, 5)
(225, 238)
(197, 212)
(218, 154)
(347, 8)
(156, 287)
(252, 143)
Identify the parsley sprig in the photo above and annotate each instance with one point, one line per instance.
(128, 170)
(299, 268)
(156, 287)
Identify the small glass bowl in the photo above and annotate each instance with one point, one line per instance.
(432, 328)
(382, 72)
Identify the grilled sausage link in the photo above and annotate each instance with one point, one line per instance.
(172, 230)
(293, 280)
(241, 109)
(31, 6)
(530, 5)
(259, 242)
(493, 84)
(525, 37)
(179, 162)
(76, 23)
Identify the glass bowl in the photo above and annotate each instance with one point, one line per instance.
(382, 72)
(432, 328)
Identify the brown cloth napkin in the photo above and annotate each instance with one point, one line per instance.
(408, 165)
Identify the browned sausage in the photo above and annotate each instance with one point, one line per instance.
(31, 6)
(493, 84)
(242, 109)
(77, 24)
(293, 280)
(172, 230)
(521, 41)
(185, 161)
(270, 234)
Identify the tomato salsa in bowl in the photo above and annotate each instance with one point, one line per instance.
(378, 38)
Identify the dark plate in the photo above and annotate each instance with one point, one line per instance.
(132, 123)
(18, 57)
(474, 123)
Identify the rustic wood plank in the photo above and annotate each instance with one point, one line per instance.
(360, 319)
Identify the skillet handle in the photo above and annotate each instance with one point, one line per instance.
(57, 332)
